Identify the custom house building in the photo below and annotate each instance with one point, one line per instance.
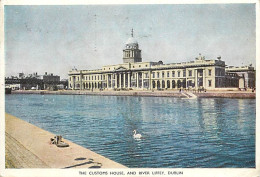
(133, 74)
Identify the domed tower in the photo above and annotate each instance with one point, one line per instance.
(131, 53)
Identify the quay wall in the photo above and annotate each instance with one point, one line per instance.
(208, 94)
(28, 146)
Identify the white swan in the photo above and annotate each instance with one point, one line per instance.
(137, 136)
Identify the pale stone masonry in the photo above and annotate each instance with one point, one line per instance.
(134, 74)
(28, 146)
(246, 75)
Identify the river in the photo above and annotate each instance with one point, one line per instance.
(177, 133)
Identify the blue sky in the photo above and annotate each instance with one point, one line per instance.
(54, 39)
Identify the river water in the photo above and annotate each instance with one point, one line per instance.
(177, 133)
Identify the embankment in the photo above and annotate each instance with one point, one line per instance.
(28, 146)
(208, 94)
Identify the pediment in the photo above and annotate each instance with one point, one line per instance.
(120, 68)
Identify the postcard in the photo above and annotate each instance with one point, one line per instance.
(129, 88)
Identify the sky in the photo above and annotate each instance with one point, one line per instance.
(55, 39)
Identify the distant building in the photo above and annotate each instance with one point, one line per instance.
(51, 81)
(33, 82)
(24, 82)
(134, 74)
(245, 74)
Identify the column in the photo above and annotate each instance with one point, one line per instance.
(124, 81)
(120, 80)
(115, 80)
(110, 80)
(204, 79)
(137, 80)
(80, 84)
(73, 83)
(128, 79)
(150, 80)
(196, 78)
(142, 80)
(106, 80)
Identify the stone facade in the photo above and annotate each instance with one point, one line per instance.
(245, 75)
(137, 75)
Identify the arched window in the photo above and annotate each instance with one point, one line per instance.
(158, 84)
(184, 83)
(153, 84)
(168, 84)
(163, 84)
(173, 84)
(178, 84)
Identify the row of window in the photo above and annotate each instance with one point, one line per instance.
(146, 75)
(189, 83)
(178, 73)
(168, 74)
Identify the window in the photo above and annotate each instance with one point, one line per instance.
(104, 77)
(173, 73)
(78, 78)
(145, 65)
(209, 72)
(153, 74)
(190, 73)
(168, 74)
(146, 75)
(162, 74)
(158, 75)
(95, 77)
(179, 74)
(98, 78)
(184, 73)
(133, 76)
(133, 66)
(139, 66)
(70, 78)
(209, 83)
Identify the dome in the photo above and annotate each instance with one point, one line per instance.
(131, 40)
(131, 43)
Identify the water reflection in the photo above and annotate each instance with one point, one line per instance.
(177, 132)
